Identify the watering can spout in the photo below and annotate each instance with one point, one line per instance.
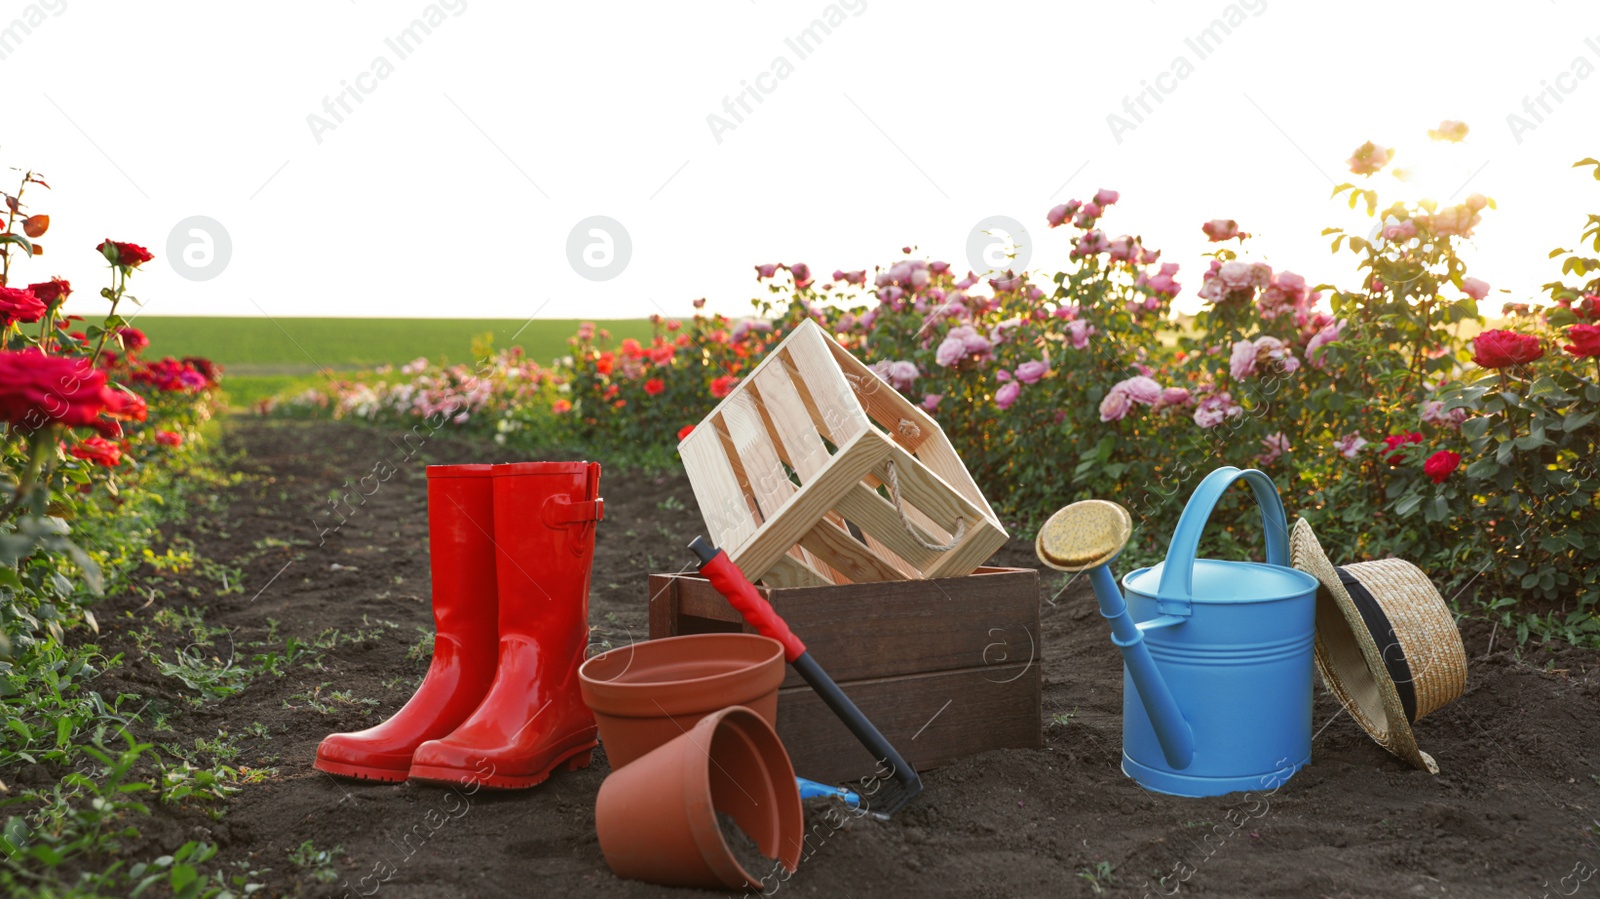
(1172, 730)
(1087, 536)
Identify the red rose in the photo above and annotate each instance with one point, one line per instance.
(1585, 341)
(38, 390)
(169, 438)
(127, 255)
(209, 369)
(605, 363)
(100, 451)
(19, 306)
(51, 290)
(133, 339)
(1441, 465)
(1395, 441)
(561, 407)
(685, 431)
(1498, 349)
(721, 387)
(654, 386)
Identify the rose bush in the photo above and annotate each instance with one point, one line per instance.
(81, 412)
(1380, 406)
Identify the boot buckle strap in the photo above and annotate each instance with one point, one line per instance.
(561, 510)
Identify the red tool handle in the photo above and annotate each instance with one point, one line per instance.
(731, 583)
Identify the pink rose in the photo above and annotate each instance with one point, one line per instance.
(1106, 197)
(1174, 396)
(1057, 216)
(1329, 334)
(1474, 288)
(1078, 331)
(950, 351)
(1141, 389)
(1242, 363)
(1214, 409)
(1350, 444)
(1433, 412)
(1369, 158)
(1124, 248)
(1092, 243)
(1274, 446)
(1115, 405)
(766, 271)
(930, 402)
(1031, 372)
(1007, 395)
(1400, 231)
(1218, 230)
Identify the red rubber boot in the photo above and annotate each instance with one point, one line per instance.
(533, 721)
(461, 554)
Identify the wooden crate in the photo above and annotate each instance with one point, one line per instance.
(790, 471)
(945, 667)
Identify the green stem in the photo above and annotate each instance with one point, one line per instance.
(116, 297)
(36, 453)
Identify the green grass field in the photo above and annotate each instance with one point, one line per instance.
(263, 357)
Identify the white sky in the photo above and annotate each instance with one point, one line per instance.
(908, 124)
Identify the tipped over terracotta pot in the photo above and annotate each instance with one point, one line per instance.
(657, 818)
(648, 693)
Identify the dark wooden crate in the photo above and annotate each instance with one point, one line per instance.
(945, 667)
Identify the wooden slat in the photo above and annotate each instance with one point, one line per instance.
(887, 629)
(716, 488)
(942, 460)
(928, 493)
(811, 502)
(797, 568)
(764, 473)
(884, 404)
(852, 558)
(769, 484)
(981, 542)
(784, 410)
(931, 719)
(664, 607)
(876, 516)
(836, 403)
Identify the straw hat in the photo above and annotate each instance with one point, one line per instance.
(1386, 644)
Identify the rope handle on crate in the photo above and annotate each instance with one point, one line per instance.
(894, 493)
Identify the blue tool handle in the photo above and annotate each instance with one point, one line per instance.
(810, 789)
(1176, 590)
(1172, 730)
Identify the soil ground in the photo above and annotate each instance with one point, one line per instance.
(1513, 811)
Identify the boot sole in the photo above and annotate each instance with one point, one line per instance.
(581, 757)
(361, 772)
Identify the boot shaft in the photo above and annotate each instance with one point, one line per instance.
(544, 524)
(461, 552)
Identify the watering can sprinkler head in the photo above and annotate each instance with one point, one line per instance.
(1084, 535)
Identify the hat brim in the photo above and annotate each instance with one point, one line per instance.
(1350, 660)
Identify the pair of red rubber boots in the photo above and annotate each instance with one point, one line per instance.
(511, 548)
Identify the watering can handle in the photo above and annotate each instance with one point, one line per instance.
(1176, 590)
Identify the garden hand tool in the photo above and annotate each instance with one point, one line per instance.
(533, 719)
(461, 555)
(904, 784)
(810, 789)
(1217, 683)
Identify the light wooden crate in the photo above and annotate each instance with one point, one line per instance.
(793, 473)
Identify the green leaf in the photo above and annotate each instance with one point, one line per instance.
(1408, 505)
(1545, 388)
(1576, 419)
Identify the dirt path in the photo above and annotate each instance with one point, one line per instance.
(1513, 811)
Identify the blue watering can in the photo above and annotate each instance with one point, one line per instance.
(1217, 654)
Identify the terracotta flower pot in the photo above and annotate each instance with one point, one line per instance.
(657, 818)
(648, 693)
